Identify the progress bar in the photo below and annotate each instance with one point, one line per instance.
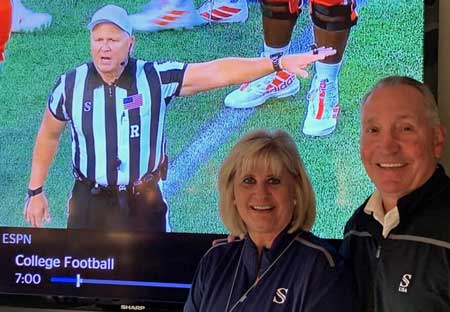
(78, 281)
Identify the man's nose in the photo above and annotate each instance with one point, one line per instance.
(389, 142)
(105, 46)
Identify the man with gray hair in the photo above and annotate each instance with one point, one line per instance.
(398, 241)
(115, 106)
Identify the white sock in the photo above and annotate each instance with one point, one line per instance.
(270, 50)
(328, 71)
(17, 4)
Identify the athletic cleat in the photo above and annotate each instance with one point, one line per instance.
(224, 11)
(25, 20)
(251, 94)
(166, 14)
(323, 107)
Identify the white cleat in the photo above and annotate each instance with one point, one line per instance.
(323, 107)
(25, 20)
(166, 14)
(251, 94)
(224, 11)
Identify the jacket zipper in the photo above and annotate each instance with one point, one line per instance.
(378, 253)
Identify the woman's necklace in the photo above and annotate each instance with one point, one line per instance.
(258, 279)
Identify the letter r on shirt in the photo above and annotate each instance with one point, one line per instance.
(134, 131)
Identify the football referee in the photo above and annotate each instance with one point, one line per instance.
(114, 106)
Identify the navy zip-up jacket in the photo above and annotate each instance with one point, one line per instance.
(409, 270)
(300, 272)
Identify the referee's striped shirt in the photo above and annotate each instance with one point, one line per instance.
(117, 131)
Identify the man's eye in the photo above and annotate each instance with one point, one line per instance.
(407, 128)
(274, 180)
(371, 130)
(248, 180)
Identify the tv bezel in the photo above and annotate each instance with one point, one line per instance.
(94, 303)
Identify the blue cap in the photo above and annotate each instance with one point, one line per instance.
(112, 14)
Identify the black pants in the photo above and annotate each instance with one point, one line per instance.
(101, 211)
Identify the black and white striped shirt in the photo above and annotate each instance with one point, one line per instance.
(117, 131)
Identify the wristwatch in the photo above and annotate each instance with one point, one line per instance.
(31, 193)
(276, 61)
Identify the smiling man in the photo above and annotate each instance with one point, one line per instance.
(399, 240)
(115, 106)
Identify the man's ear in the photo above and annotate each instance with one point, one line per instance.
(439, 140)
(131, 47)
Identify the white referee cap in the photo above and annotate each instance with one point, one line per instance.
(112, 14)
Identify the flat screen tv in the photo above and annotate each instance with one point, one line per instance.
(94, 270)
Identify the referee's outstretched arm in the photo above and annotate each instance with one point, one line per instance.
(36, 210)
(233, 70)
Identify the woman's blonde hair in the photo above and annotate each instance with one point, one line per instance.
(275, 150)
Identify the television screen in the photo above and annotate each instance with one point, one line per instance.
(199, 130)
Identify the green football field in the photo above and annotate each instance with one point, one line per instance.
(199, 129)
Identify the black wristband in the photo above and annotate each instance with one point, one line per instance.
(34, 192)
(276, 61)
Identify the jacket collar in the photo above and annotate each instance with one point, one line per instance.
(375, 208)
(409, 203)
(253, 264)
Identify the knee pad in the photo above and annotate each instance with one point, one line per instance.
(333, 18)
(281, 9)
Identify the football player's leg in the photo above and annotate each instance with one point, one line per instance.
(5, 27)
(166, 14)
(24, 19)
(332, 20)
(278, 20)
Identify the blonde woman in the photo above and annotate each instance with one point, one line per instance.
(266, 196)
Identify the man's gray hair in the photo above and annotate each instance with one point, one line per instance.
(428, 97)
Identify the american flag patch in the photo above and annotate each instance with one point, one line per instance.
(132, 102)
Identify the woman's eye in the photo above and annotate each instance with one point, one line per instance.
(274, 180)
(248, 180)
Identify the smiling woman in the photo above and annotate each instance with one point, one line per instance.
(266, 168)
(266, 196)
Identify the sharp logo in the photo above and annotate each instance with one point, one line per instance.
(131, 307)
